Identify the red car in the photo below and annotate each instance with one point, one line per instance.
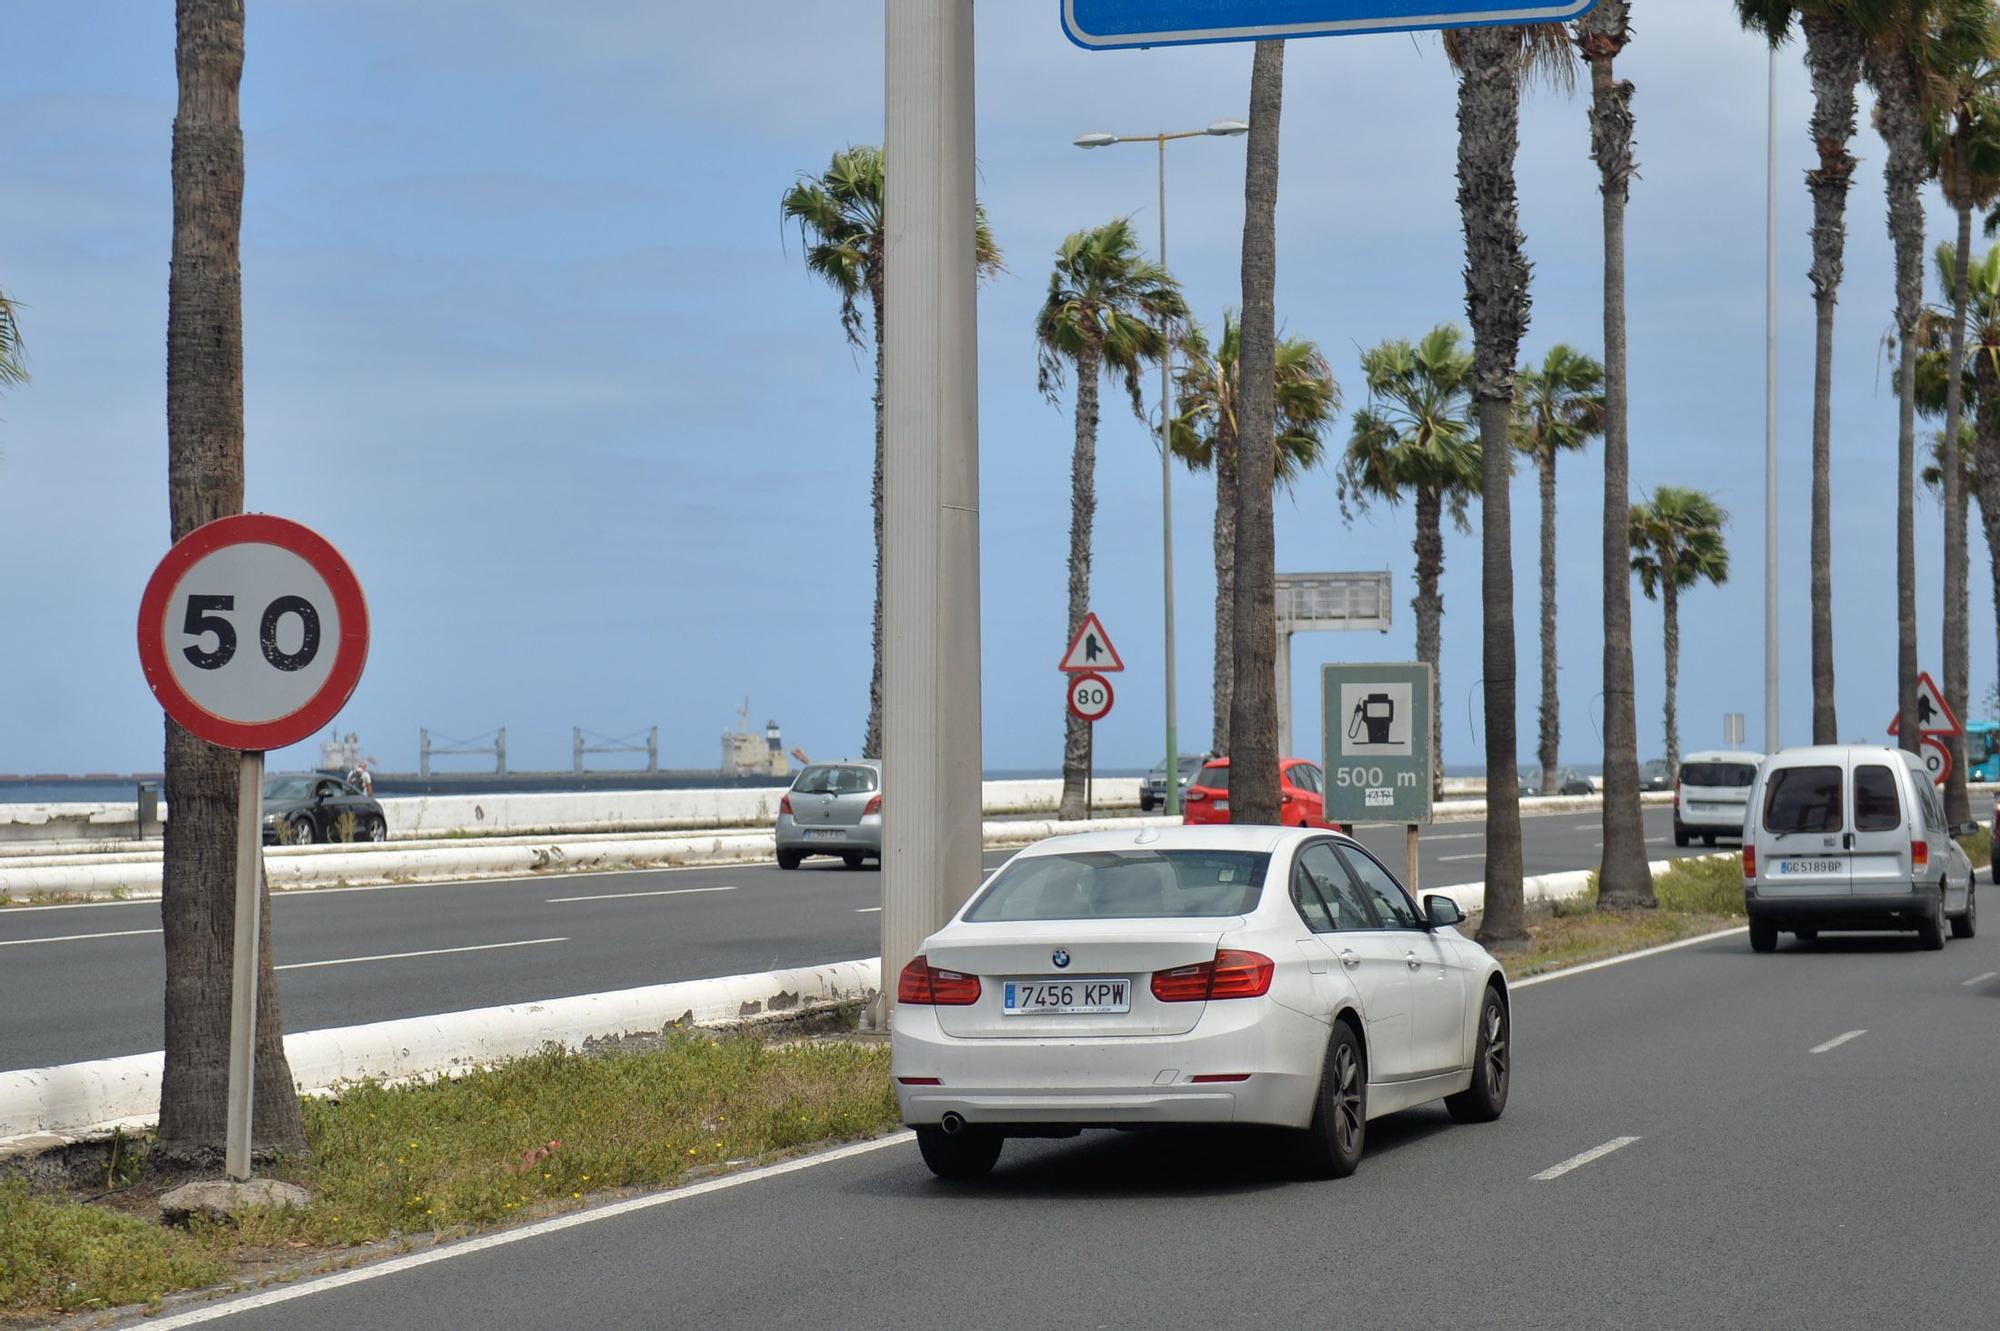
(1206, 801)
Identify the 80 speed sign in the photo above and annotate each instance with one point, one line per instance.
(253, 632)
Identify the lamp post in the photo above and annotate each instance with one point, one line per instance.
(1219, 129)
(1771, 727)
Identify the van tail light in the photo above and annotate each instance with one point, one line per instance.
(874, 806)
(785, 804)
(924, 983)
(1749, 861)
(1920, 854)
(1232, 974)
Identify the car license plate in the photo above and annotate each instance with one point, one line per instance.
(1819, 867)
(824, 834)
(1222, 806)
(1084, 994)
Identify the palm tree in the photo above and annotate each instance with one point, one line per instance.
(205, 482)
(1103, 316)
(1558, 408)
(1307, 399)
(1835, 45)
(839, 214)
(1416, 436)
(1253, 716)
(1493, 63)
(13, 362)
(1676, 543)
(1624, 881)
(1963, 140)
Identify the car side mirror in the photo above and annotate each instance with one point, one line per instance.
(1442, 911)
(1965, 829)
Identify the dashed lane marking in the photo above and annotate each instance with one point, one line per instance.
(401, 956)
(620, 896)
(1579, 1161)
(76, 938)
(1980, 979)
(1838, 1041)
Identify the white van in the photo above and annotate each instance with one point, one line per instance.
(1853, 837)
(1712, 793)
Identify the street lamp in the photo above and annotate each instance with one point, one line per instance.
(1221, 129)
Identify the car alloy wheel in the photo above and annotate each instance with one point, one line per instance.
(1496, 1049)
(377, 830)
(1347, 1113)
(302, 832)
(1967, 924)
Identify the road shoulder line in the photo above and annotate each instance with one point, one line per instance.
(1624, 957)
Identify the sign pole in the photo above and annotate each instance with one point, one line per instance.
(1411, 882)
(1090, 768)
(243, 972)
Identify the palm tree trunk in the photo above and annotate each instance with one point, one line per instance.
(1670, 600)
(871, 741)
(1496, 300)
(1429, 605)
(1225, 588)
(1957, 556)
(1986, 421)
(1902, 129)
(1253, 720)
(1624, 881)
(1082, 519)
(1551, 715)
(1833, 54)
(205, 482)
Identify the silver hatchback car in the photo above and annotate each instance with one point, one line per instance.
(832, 809)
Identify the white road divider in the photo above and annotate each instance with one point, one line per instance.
(42, 1107)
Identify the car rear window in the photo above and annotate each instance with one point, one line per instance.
(1803, 799)
(1728, 775)
(1876, 807)
(836, 779)
(1124, 885)
(1213, 778)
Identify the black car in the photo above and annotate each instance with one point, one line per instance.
(300, 810)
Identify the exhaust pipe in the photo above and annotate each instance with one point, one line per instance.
(953, 1124)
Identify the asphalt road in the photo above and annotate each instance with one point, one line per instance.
(1771, 1174)
(80, 982)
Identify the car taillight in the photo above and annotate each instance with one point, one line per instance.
(1196, 795)
(924, 983)
(1749, 861)
(1233, 974)
(785, 804)
(1920, 854)
(874, 806)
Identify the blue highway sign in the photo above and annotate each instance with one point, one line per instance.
(1111, 24)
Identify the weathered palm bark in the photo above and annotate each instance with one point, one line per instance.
(1550, 751)
(1670, 602)
(1833, 55)
(1899, 119)
(1225, 586)
(1253, 721)
(205, 482)
(1957, 557)
(1082, 519)
(871, 741)
(1986, 424)
(1624, 881)
(1429, 606)
(1496, 301)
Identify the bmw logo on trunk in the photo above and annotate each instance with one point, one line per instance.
(1061, 958)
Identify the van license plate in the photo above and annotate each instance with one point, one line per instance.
(1820, 867)
(1084, 994)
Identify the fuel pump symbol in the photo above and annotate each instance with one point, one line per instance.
(1376, 712)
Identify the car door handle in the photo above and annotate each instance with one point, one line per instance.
(1411, 958)
(1348, 958)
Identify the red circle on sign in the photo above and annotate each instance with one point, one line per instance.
(1083, 705)
(1944, 758)
(350, 648)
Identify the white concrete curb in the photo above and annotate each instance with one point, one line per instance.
(76, 1099)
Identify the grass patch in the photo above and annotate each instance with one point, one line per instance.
(1695, 896)
(1979, 846)
(456, 1155)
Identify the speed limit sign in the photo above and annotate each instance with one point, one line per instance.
(253, 632)
(1090, 697)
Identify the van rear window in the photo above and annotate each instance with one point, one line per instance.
(1876, 808)
(1803, 799)
(1727, 775)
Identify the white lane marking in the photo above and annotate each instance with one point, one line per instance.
(664, 892)
(397, 1265)
(400, 956)
(1838, 1041)
(1579, 1161)
(1675, 946)
(1452, 836)
(1453, 859)
(76, 938)
(867, 910)
(1981, 979)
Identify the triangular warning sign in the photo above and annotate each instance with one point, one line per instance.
(1092, 650)
(1934, 714)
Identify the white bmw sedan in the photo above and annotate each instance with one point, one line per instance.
(1225, 975)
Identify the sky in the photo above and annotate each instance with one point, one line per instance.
(524, 337)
